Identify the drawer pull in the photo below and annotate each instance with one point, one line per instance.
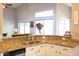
(41, 46)
(32, 49)
(35, 52)
(65, 49)
(56, 51)
(51, 46)
(38, 50)
(59, 52)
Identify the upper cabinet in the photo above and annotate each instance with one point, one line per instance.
(1, 18)
(75, 21)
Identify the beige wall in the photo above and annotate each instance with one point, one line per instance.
(1, 18)
(75, 27)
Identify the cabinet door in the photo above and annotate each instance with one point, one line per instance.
(63, 51)
(30, 51)
(33, 51)
(27, 52)
(50, 50)
(67, 51)
(41, 50)
(38, 50)
(55, 50)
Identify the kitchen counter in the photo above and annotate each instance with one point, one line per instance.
(14, 44)
(67, 43)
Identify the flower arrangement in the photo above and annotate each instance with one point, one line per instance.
(39, 27)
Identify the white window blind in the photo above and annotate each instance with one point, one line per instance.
(63, 25)
(23, 28)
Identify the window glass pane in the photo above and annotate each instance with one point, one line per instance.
(44, 13)
(44, 18)
(21, 28)
(24, 28)
(63, 26)
(27, 27)
(48, 27)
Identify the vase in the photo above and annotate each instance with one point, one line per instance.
(39, 31)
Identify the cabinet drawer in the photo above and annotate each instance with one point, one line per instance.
(67, 49)
(62, 53)
(53, 47)
(56, 50)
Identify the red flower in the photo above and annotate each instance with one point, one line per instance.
(39, 25)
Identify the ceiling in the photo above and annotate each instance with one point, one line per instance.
(12, 5)
(15, 5)
(69, 4)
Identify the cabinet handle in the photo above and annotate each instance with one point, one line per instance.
(41, 46)
(38, 50)
(35, 52)
(56, 51)
(32, 49)
(51, 46)
(59, 52)
(65, 49)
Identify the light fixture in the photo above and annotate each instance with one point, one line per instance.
(3, 6)
(6, 5)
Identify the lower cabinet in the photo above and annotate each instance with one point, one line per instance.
(38, 50)
(54, 50)
(44, 50)
(51, 51)
(41, 50)
(48, 50)
(31, 51)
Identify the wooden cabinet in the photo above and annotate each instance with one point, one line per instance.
(51, 50)
(66, 51)
(41, 50)
(38, 50)
(31, 51)
(54, 50)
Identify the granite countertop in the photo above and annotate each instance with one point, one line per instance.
(67, 43)
(10, 45)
